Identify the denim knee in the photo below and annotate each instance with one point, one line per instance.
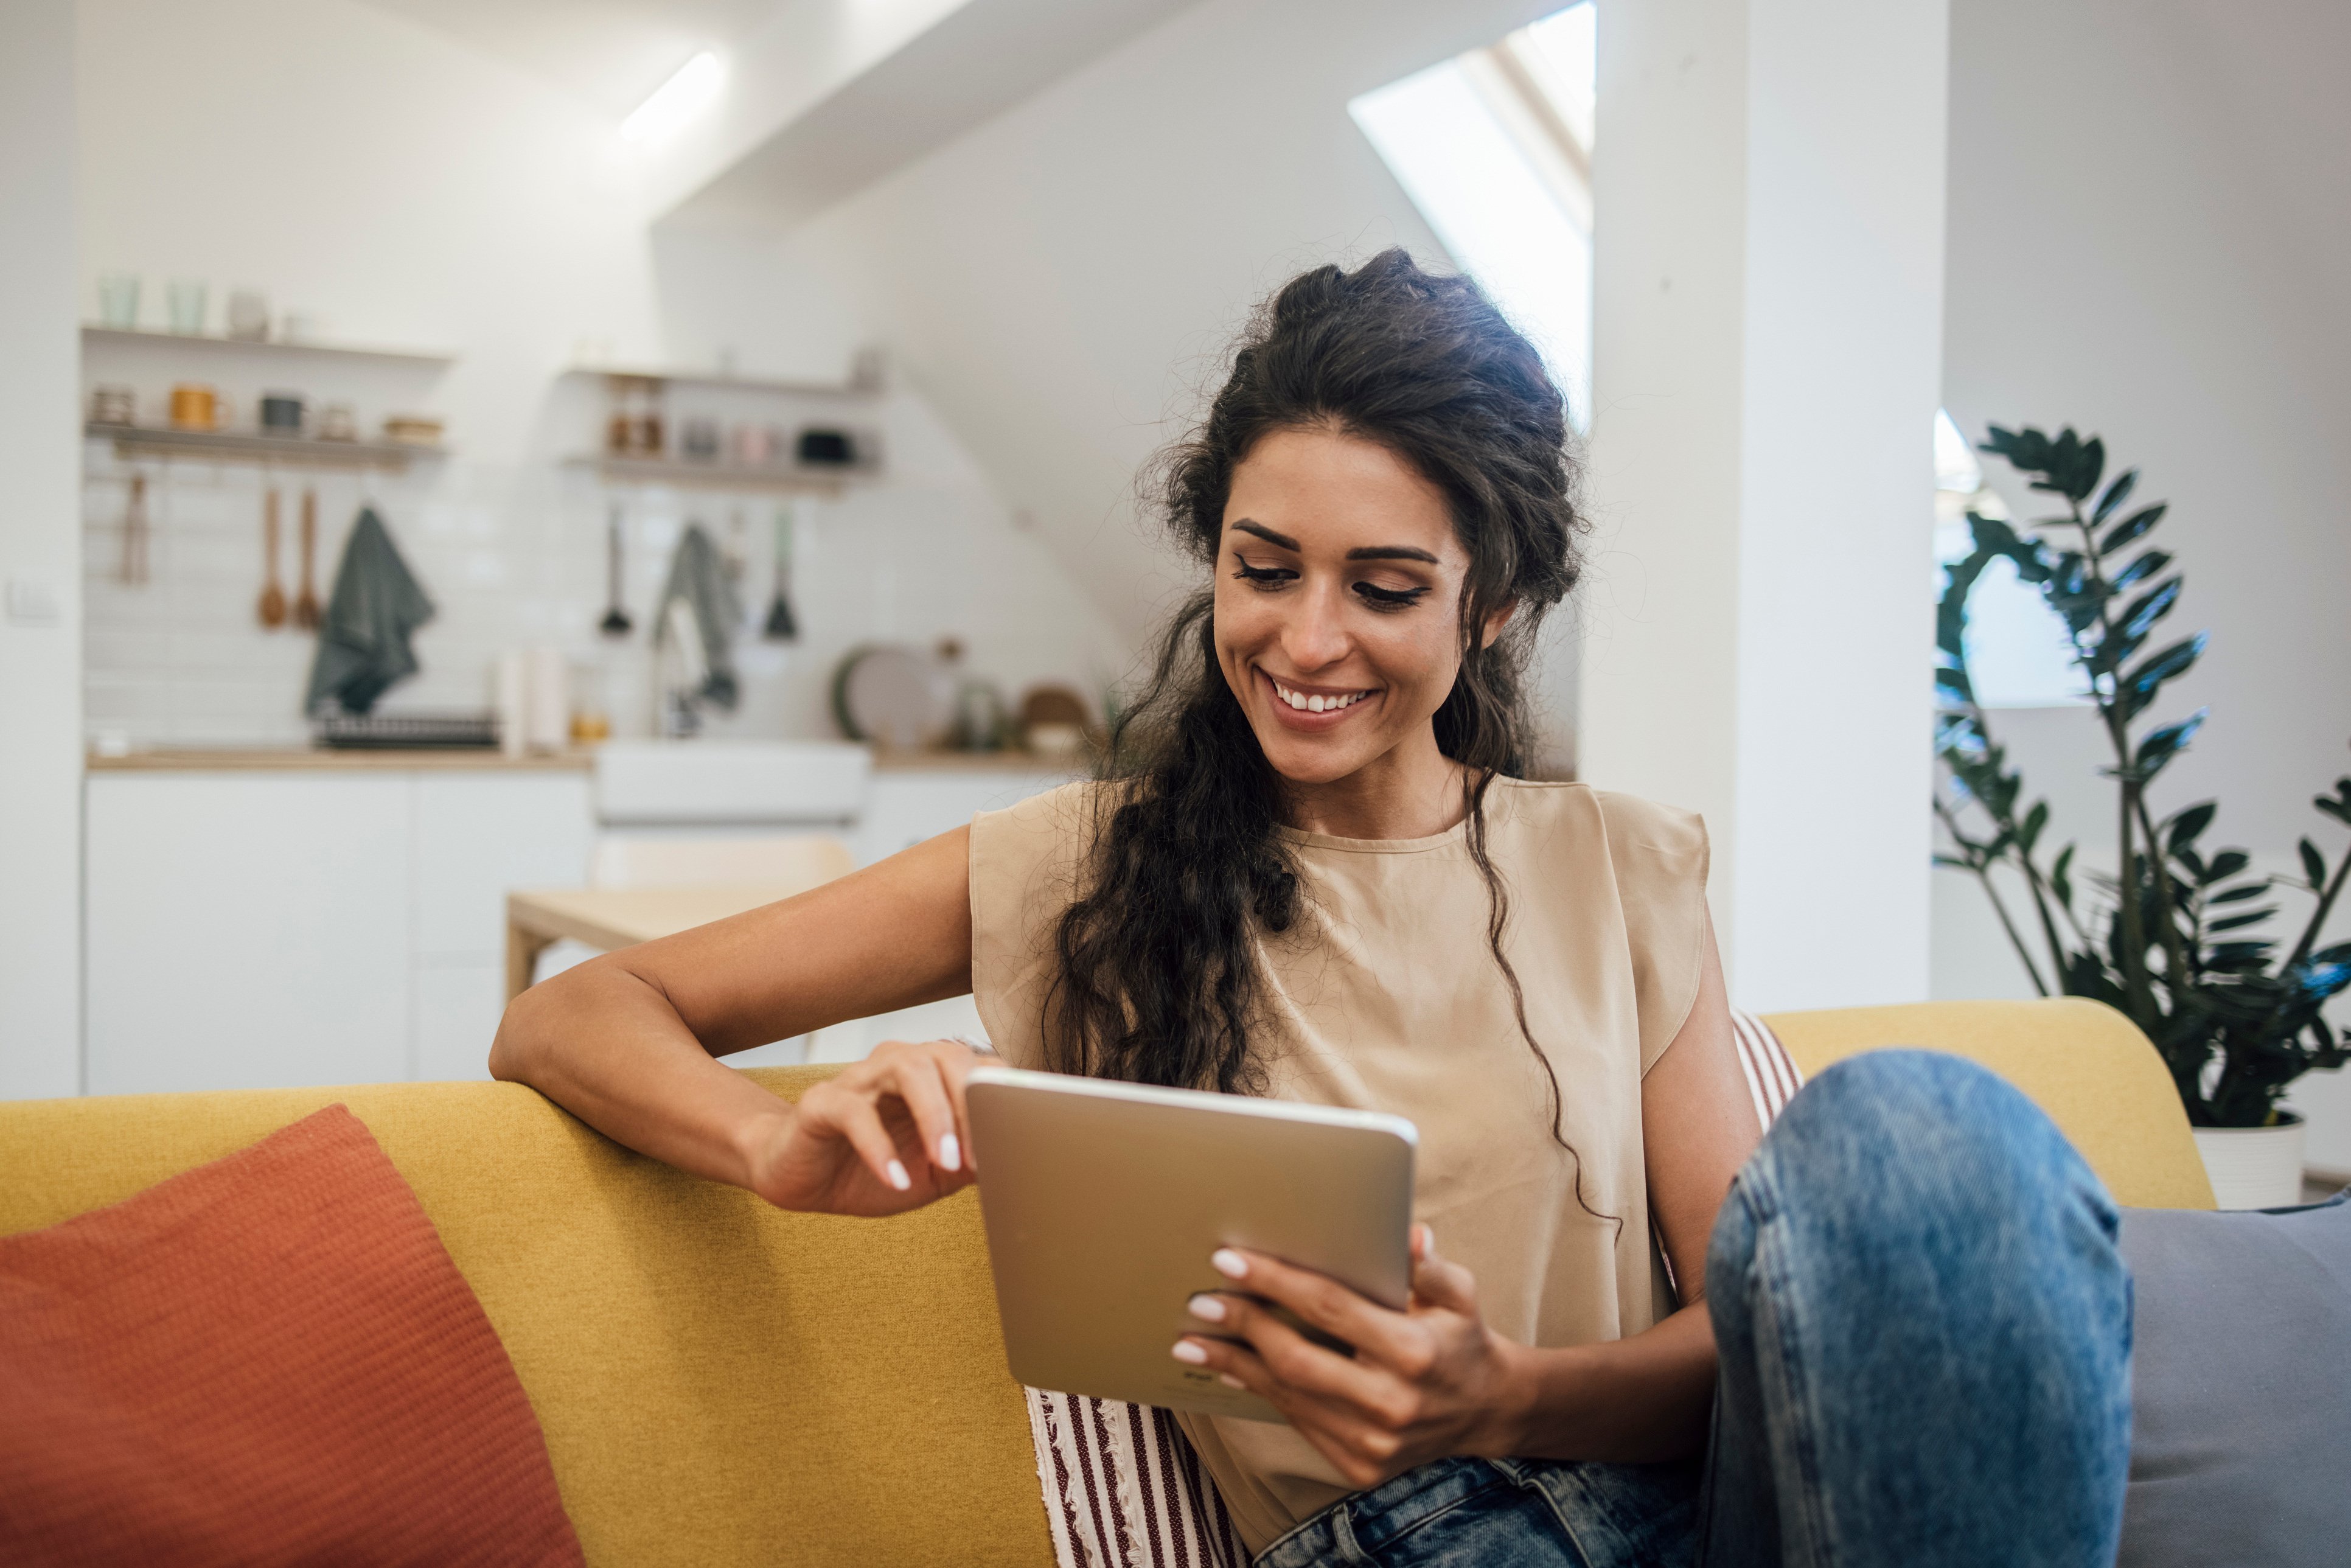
(1912, 1138)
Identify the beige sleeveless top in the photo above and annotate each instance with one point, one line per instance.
(1385, 997)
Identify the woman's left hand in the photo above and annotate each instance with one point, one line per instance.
(1425, 1382)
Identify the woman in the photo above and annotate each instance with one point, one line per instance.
(1310, 872)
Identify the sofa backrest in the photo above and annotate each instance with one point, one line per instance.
(718, 1381)
(2085, 1064)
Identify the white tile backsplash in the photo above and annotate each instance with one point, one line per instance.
(514, 555)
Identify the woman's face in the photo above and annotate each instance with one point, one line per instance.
(1338, 601)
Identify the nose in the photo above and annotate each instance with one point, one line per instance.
(1314, 636)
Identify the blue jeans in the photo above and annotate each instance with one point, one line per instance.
(1924, 1330)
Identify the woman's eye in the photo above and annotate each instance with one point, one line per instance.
(1264, 574)
(1388, 598)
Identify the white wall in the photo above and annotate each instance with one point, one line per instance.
(408, 190)
(2146, 242)
(1769, 248)
(40, 621)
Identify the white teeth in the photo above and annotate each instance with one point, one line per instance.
(1317, 704)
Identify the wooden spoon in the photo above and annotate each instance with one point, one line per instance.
(273, 597)
(306, 603)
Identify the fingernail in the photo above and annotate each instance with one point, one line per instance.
(950, 1153)
(1185, 1351)
(898, 1177)
(1207, 1307)
(1229, 1381)
(1229, 1263)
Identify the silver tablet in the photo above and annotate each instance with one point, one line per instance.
(1103, 1201)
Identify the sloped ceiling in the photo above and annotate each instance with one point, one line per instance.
(609, 53)
(1062, 282)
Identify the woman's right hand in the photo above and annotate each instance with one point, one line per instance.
(888, 1133)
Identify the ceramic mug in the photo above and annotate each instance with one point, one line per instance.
(281, 412)
(248, 314)
(112, 405)
(195, 406)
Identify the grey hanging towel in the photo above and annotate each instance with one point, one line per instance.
(377, 606)
(698, 579)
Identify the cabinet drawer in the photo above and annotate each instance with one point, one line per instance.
(247, 931)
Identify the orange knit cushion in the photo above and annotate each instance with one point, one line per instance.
(269, 1359)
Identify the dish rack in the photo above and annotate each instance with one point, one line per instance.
(405, 731)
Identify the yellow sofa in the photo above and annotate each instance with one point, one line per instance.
(722, 1383)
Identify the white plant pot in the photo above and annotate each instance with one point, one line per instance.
(2254, 1167)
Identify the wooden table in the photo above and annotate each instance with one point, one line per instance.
(620, 917)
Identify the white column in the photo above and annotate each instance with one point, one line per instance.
(1768, 193)
(40, 559)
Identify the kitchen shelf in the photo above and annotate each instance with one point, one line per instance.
(268, 346)
(712, 476)
(232, 446)
(719, 381)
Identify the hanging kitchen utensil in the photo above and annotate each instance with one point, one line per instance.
(273, 597)
(616, 622)
(783, 626)
(135, 532)
(305, 602)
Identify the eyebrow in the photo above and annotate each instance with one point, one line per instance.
(1366, 553)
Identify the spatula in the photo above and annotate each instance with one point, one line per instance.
(781, 627)
(306, 600)
(616, 622)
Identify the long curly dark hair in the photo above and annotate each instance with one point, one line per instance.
(1157, 976)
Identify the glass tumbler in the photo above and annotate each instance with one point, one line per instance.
(184, 301)
(118, 299)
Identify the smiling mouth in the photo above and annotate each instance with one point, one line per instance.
(1315, 702)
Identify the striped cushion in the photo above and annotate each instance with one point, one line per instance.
(1122, 1487)
(1772, 1075)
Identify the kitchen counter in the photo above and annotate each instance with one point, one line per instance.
(226, 759)
(280, 758)
(976, 762)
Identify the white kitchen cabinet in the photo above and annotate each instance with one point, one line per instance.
(457, 1010)
(480, 836)
(253, 929)
(903, 807)
(258, 927)
(247, 930)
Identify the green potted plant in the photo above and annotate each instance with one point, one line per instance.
(2173, 937)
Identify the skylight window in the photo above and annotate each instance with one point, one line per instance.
(1494, 148)
(1562, 51)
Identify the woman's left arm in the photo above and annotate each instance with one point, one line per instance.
(1433, 1380)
